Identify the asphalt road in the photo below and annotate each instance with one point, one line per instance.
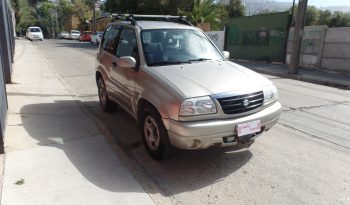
(304, 159)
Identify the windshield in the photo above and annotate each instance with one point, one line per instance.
(76, 32)
(35, 30)
(176, 46)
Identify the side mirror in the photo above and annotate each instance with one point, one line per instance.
(226, 54)
(127, 62)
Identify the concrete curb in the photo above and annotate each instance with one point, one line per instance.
(305, 79)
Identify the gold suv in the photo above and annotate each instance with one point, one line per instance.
(180, 87)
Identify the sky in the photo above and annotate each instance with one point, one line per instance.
(322, 3)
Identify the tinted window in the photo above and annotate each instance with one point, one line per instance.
(110, 38)
(34, 30)
(127, 44)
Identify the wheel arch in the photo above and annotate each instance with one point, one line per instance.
(144, 102)
(100, 73)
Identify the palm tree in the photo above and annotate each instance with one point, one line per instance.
(203, 11)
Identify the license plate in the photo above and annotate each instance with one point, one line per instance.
(248, 128)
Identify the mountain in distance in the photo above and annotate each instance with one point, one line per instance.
(257, 6)
(345, 9)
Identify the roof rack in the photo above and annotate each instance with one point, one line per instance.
(133, 18)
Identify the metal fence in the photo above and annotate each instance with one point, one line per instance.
(7, 45)
(260, 37)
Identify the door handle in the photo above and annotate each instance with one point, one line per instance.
(114, 63)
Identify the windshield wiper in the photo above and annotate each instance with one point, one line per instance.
(200, 59)
(170, 63)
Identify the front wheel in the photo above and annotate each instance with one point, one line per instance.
(105, 103)
(154, 134)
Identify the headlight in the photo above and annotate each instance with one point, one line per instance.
(197, 106)
(270, 94)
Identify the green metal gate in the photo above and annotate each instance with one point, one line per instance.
(261, 37)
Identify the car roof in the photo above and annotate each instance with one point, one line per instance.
(157, 25)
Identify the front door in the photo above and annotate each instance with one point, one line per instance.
(126, 77)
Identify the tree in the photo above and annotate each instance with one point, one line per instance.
(46, 18)
(26, 16)
(235, 9)
(324, 17)
(168, 7)
(83, 11)
(339, 19)
(267, 11)
(204, 11)
(312, 16)
(64, 11)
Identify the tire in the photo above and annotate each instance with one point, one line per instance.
(105, 103)
(154, 134)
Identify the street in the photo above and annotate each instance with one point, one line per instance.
(304, 159)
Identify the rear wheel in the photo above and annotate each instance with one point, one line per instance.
(105, 103)
(154, 134)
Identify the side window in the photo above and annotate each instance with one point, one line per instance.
(110, 38)
(127, 45)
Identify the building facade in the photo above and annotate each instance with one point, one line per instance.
(7, 45)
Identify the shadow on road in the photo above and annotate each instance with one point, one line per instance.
(76, 44)
(186, 170)
(63, 126)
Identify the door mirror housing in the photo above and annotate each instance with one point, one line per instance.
(127, 62)
(226, 54)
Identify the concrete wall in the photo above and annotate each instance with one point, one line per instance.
(336, 53)
(6, 60)
(311, 48)
(323, 48)
(218, 37)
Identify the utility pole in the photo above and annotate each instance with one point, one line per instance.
(94, 18)
(293, 13)
(298, 37)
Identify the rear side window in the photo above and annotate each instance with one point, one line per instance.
(110, 38)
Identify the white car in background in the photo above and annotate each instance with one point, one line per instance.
(63, 35)
(34, 33)
(96, 38)
(74, 34)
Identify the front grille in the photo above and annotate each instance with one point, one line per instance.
(239, 103)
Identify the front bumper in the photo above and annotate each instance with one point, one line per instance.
(203, 134)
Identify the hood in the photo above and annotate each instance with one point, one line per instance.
(211, 77)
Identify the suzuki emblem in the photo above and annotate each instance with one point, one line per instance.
(245, 102)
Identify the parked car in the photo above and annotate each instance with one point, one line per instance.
(96, 38)
(63, 35)
(85, 36)
(180, 88)
(34, 33)
(74, 35)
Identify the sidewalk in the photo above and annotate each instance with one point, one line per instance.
(55, 154)
(312, 76)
